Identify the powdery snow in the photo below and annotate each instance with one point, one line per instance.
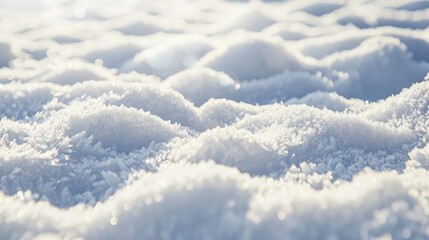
(215, 119)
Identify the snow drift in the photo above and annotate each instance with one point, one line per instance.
(222, 119)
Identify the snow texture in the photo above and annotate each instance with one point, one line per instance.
(215, 119)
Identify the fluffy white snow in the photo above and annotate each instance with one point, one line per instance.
(214, 119)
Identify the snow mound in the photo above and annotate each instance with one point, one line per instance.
(7, 54)
(250, 20)
(207, 84)
(216, 119)
(323, 46)
(329, 100)
(415, 6)
(201, 84)
(319, 9)
(302, 134)
(75, 72)
(409, 108)
(361, 65)
(218, 113)
(240, 206)
(254, 58)
(421, 156)
(20, 101)
(113, 56)
(240, 149)
(169, 58)
(145, 25)
(168, 105)
(117, 127)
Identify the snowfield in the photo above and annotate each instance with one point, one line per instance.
(214, 119)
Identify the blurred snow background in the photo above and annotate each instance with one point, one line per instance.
(214, 119)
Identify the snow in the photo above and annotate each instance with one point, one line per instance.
(170, 57)
(7, 54)
(217, 119)
(254, 57)
(361, 65)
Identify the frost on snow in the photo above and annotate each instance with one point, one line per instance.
(215, 119)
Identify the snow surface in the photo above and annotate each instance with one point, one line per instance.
(214, 119)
